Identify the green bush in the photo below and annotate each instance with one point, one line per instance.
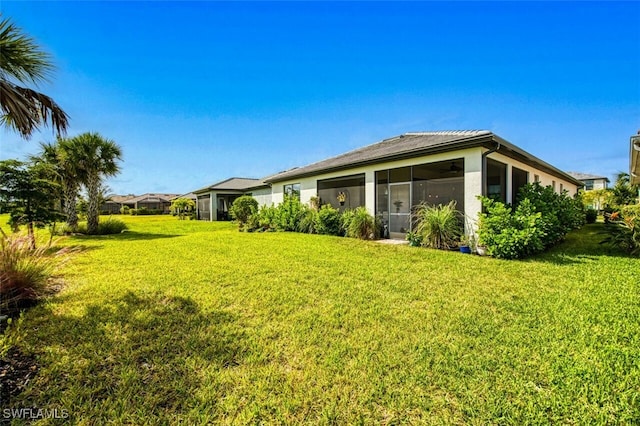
(510, 234)
(328, 221)
(438, 226)
(125, 210)
(242, 208)
(591, 215)
(268, 218)
(111, 226)
(358, 223)
(559, 212)
(143, 211)
(308, 220)
(289, 214)
(624, 230)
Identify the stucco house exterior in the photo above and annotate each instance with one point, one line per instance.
(590, 181)
(391, 176)
(213, 201)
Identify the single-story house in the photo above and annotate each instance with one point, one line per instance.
(590, 181)
(213, 201)
(391, 176)
(148, 201)
(115, 202)
(634, 159)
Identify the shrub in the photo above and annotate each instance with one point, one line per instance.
(591, 215)
(242, 208)
(439, 226)
(415, 240)
(106, 227)
(25, 272)
(624, 230)
(125, 210)
(360, 224)
(289, 214)
(510, 234)
(268, 217)
(111, 226)
(328, 221)
(308, 220)
(559, 212)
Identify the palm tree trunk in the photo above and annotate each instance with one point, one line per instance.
(93, 208)
(70, 194)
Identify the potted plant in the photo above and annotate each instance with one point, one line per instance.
(342, 197)
(467, 244)
(415, 239)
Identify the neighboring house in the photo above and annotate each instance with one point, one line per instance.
(213, 201)
(391, 176)
(115, 203)
(590, 181)
(149, 201)
(634, 160)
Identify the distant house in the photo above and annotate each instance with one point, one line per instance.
(591, 181)
(634, 159)
(150, 201)
(213, 201)
(115, 203)
(388, 178)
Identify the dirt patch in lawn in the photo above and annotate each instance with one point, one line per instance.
(16, 371)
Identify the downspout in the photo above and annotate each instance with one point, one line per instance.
(484, 168)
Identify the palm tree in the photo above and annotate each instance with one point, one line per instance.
(22, 61)
(64, 159)
(95, 158)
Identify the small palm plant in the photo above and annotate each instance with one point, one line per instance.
(439, 226)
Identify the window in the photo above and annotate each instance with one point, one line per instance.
(561, 188)
(519, 178)
(292, 190)
(588, 184)
(536, 178)
(496, 180)
(553, 185)
(346, 192)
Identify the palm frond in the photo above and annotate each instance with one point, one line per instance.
(25, 110)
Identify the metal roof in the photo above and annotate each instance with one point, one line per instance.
(415, 144)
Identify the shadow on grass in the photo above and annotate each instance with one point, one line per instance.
(581, 246)
(137, 350)
(126, 236)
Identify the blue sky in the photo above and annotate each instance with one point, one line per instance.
(195, 92)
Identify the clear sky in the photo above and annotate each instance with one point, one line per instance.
(196, 92)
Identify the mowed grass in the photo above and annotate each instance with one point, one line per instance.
(184, 322)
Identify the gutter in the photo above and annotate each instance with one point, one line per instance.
(484, 167)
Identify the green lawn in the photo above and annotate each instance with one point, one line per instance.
(194, 323)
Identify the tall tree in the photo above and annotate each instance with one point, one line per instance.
(63, 158)
(28, 191)
(22, 62)
(95, 158)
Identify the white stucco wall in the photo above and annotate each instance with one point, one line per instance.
(263, 196)
(599, 184)
(473, 181)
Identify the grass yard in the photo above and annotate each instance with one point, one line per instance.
(184, 322)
